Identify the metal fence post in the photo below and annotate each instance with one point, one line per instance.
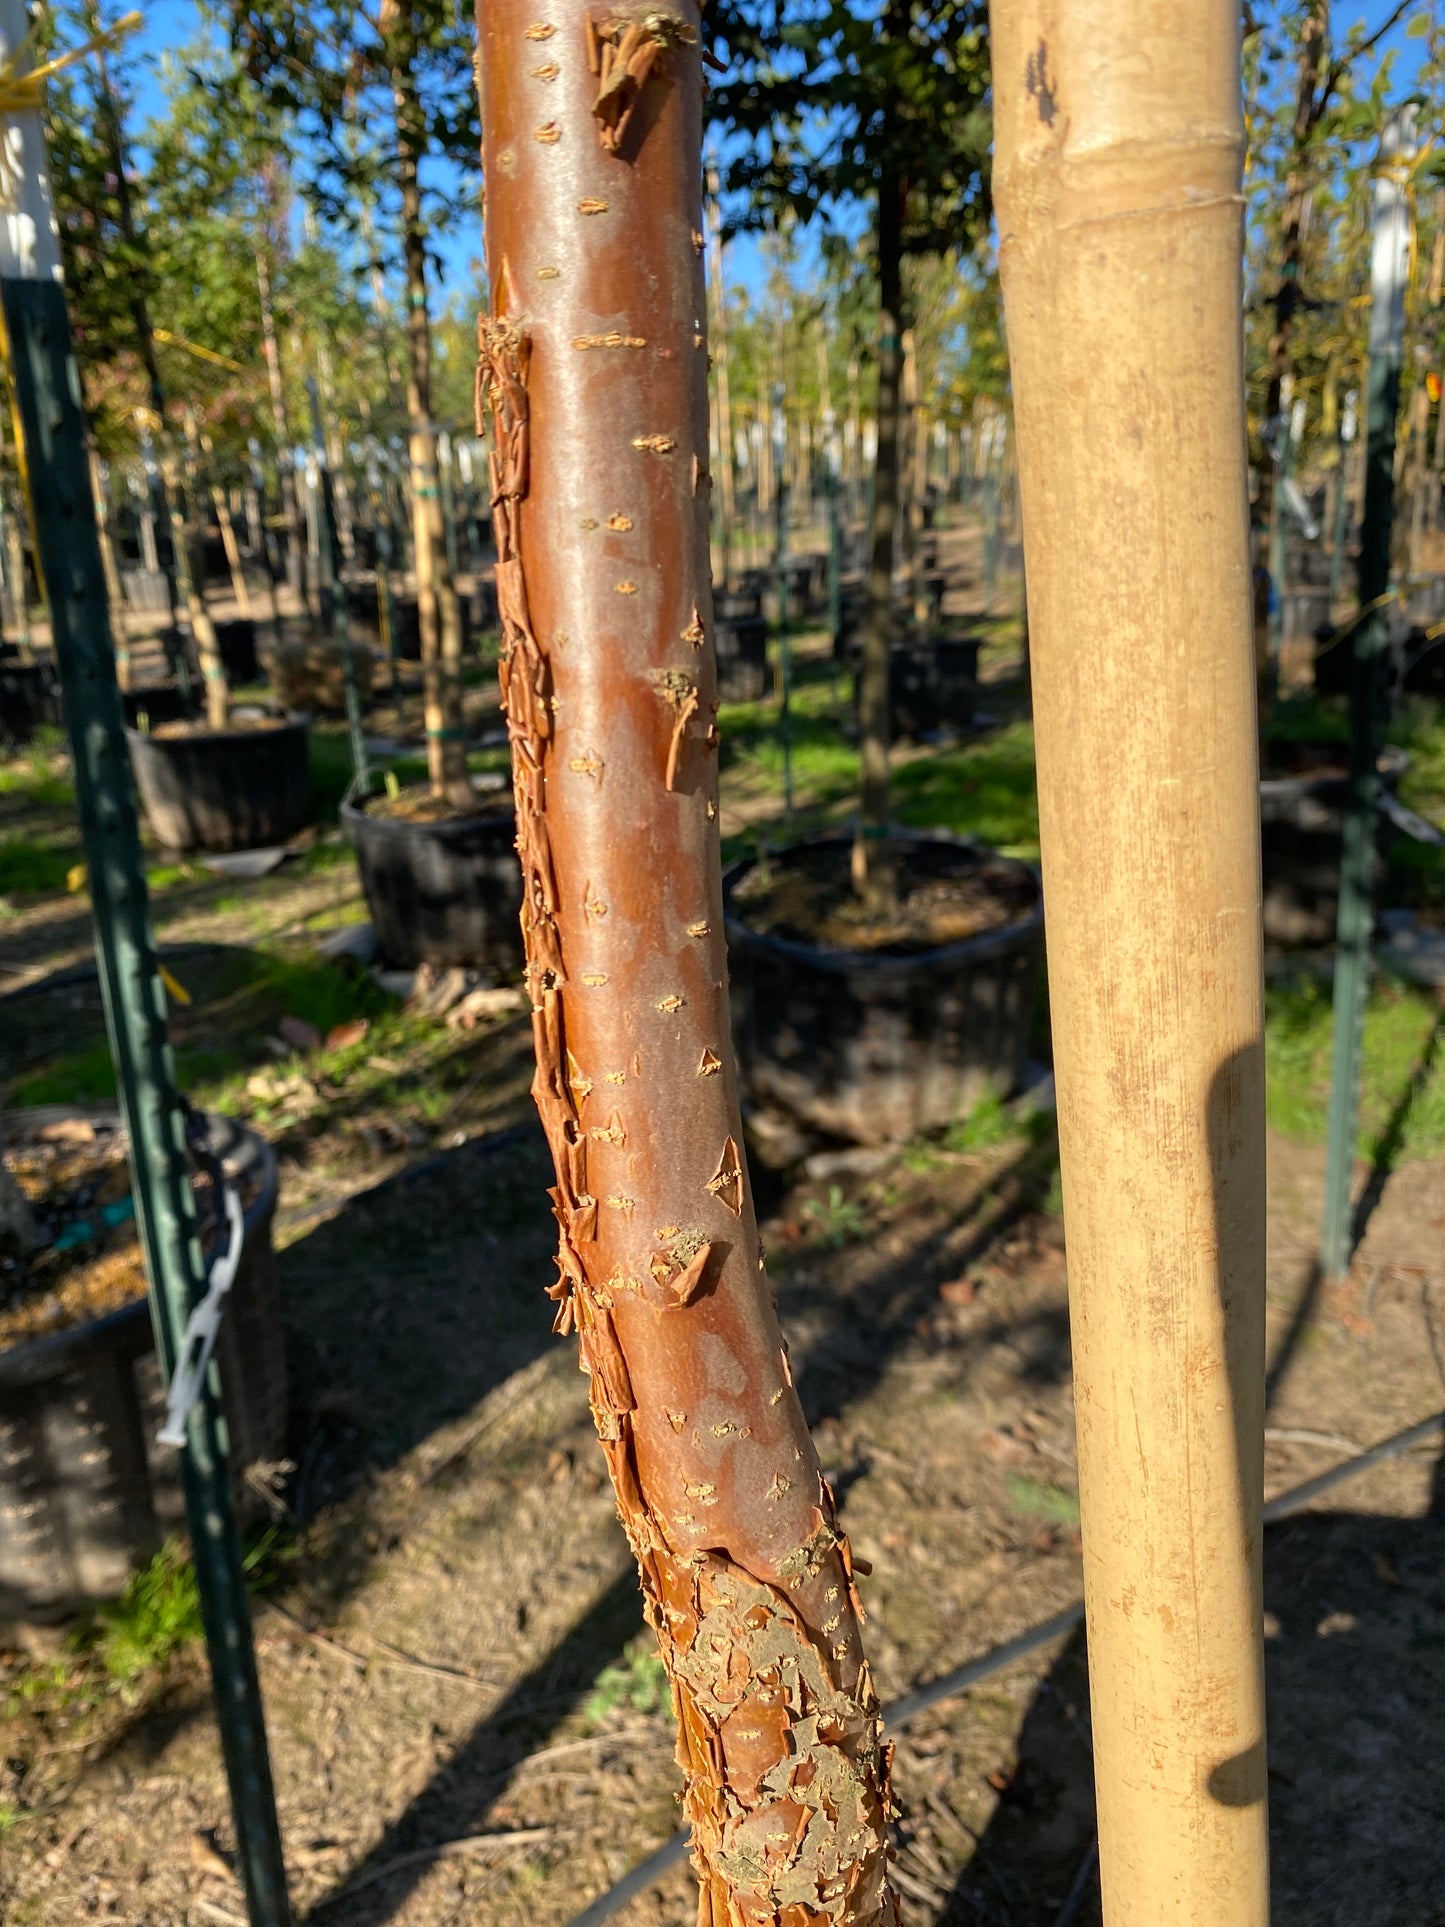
(47, 390)
(1370, 642)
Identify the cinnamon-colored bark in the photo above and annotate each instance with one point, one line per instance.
(594, 374)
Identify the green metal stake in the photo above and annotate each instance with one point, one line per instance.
(780, 564)
(47, 390)
(330, 584)
(1389, 272)
(382, 519)
(1342, 503)
(1281, 437)
(835, 562)
(469, 523)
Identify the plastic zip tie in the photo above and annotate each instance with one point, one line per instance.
(202, 1327)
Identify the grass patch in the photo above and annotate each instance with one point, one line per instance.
(1046, 1502)
(157, 1614)
(28, 866)
(836, 1219)
(33, 774)
(984, 789)
(988, 1124)
(328, 755)
(1402, 1027)
(84, 1076)
(639, 1680)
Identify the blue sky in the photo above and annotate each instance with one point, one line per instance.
(170, 24)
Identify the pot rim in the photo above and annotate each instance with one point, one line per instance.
(1390, 765)
(502, 807)
(296, 721)
(38, 1359)
(874, 963)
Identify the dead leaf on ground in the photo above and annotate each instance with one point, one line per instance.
(208, 1860)
(486, 1002)
(343, 1036)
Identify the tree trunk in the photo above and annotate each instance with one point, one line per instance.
(872, 864)
(14, 507)
(208, 649)
(280, 424)
(720, 370)
(600, 492)
(1117, 185)
(1314, 35)
(139, 307)
(437, 603)
(239, 587)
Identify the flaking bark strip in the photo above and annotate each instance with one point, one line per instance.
(745, 1575)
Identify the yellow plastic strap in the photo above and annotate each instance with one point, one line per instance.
(22, 93)
(177, 990)
(195, 348)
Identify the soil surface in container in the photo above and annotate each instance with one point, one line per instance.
(238, 724)
(811, 900)
(418, 805)
(76, 1180)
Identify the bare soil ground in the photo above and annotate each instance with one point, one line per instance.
(452, 1645)
(465, 1716)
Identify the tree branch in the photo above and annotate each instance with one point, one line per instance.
(1337, 69)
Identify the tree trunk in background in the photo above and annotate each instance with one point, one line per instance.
(594, 364)
(115, 595)
(213, 673)
(1117, 186)
(1314, 36)
(720, 370)
(139, 308)
(280, 425)
(872, 863)
(202, 452)
(439, 608)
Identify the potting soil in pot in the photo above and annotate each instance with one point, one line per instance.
(811, 900)
(417, 804)
(86, 1259)
(239, 721)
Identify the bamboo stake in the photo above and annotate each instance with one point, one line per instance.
(1117, 183)
(600, 493)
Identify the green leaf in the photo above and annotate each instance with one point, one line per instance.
(1046, 1502)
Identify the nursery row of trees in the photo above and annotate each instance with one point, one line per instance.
(276, 223)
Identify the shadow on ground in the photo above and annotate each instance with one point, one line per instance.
(1355, 1676)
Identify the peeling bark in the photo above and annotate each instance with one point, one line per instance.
(600, 499)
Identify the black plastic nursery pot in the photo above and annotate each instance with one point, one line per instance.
(441, 893)
(146, 590)
(29, 697)
(742, 658)
(731, 605)
(1301, 836)
(220, 790)
(236, 640)
(86, 1494)
(877, 1047)
(933, 684)
(158, 702)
